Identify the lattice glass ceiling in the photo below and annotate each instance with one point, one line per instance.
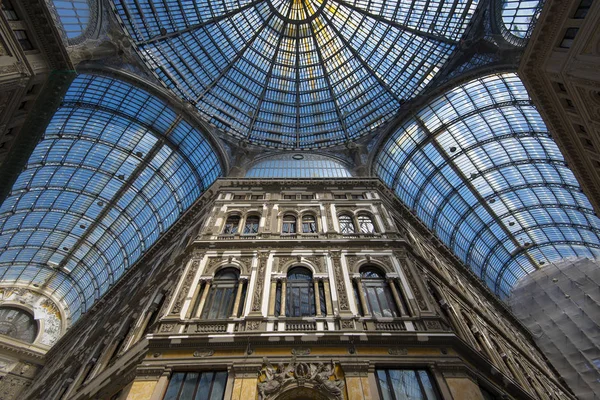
(480, 168)
(295, 73)
(116, 167)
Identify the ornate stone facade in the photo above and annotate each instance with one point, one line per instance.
(441, 325)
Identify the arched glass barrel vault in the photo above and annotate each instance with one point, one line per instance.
(480, 168)
(518, 18)
(74, 16)
(115, 168)
(295, 73)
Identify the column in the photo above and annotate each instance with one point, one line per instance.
(361, 294)
(317, 297)
(207, 286)
(283, 296)
(272, 299)
(238, 297)
(328, 304)
(392, 285)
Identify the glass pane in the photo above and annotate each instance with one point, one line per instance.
(174, 386)
(218, 390)
(430, 391)
(204, 387)
(383, 385)
(405, 384)
(189, 386)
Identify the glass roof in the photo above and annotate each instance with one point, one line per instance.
(295, 73)
(116, 167)
(480, 168)
(74, 16)
(298, 166)
(519, 16)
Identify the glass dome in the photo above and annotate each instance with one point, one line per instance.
(298, 166)
(295, 73)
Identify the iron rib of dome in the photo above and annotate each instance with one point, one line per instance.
(480, 168)
(116, 167)
(296, 73)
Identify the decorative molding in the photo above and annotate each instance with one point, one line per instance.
(340, 285)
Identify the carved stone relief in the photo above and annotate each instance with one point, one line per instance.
(187, 283)
(339, 282)
(260, 281)
(43, 308)
(275, 380)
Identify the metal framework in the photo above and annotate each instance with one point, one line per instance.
(295, 73)
(74, 16)
(479, 167)
(116, 167)
(518, 19)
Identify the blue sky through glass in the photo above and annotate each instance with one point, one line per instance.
(116, 167)
(480, 168)
(295, 73)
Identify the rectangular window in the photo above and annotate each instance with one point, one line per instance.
(357, 197)
(257, 197)
(289, 197)
(197, 386)
(583, 9)
(23, 40)
(403, 384)
(307, 197)
(239, 197)
(9, 10)
(567, 41)
(339, 196)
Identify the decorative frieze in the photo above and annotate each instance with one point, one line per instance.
(260, 281)
(185, 288)
(339, 282)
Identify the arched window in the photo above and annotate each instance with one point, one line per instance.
(346, 224)
(289, 224)
(365, 224)
(18, 324)
(220, 301)
(251, 225)
(232, 225)
(300, 296)
(378, 296)
(309, 224)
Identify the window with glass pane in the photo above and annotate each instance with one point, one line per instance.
(18, 324)
(309, 224)
(220, 300)
(232, 224)
(197, 386)
(300, 296)
(365, 224)
(251, 225)
(406, 384)
(9, 11)
(377, 293)
(289, 224)
(346, 224)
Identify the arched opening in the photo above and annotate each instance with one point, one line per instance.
(251, 225)
(221, 298)
(377, 295)
(309, 224)
(346, 224)
(231, 225)
(300, 295)
(18, 324)
(288, 224)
